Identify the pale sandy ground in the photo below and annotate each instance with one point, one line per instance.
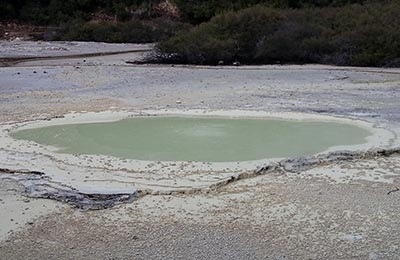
(17, 210)
(17, 48)
(338, 211)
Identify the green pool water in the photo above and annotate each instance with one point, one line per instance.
(196, 139)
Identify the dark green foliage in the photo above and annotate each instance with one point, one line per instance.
(197, 11)
(55, 12)
(76, 19)
(127, 32)
(360, 35)
(342, 32)
(227, 37)
(107, 32)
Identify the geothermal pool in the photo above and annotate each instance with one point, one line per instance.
(163, 138)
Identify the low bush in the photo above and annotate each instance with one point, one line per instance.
(197, 12)
(55, 12)
(120, 32)
(359, 35)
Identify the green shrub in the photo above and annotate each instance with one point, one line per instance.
(55, 12)
(120, 32)
(360, 35)
(197, 12)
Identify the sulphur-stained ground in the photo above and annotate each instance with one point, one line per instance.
(342, 210)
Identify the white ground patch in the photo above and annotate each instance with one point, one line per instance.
(377, 170)
(39, 48)
(106, 174)
(17, 211)
(318, 214)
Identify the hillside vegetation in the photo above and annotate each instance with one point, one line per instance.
(135, 21)
(341, 32)
(359, 35)
(55, 12)
(200, 11)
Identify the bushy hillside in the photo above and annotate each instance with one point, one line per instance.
(203, 10)
(54, 12)
(360, 35)
(341, 32)
(136, 21)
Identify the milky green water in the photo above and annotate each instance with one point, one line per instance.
(197, 139)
